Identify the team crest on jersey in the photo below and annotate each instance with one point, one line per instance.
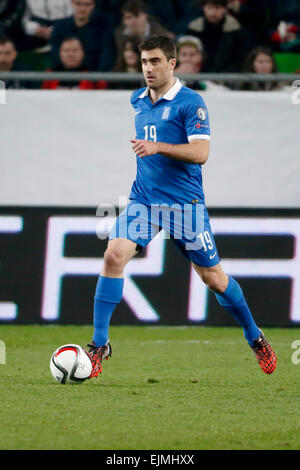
(166, 112)
(201, 113)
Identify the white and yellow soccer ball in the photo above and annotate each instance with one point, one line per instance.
(70, 364)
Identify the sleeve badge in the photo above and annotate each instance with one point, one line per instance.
(201, 113)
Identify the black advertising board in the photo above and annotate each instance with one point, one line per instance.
(50, 259)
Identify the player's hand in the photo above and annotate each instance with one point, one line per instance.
(144, 148)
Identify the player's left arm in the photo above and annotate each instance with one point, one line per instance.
(196, 151)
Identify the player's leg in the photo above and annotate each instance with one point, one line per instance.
(130, 233)
(124, 243)
(230, 296)
(204, 256)
(110, 285)
(202, 252)
(108, 295)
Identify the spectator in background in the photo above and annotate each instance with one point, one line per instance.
(284, 32)
(184, 12)
(11, 14)
(260, 60)
(95, 31)
(286, 38)
(129, 60)
(39, 18)
(173, 14)
(137, 22)
(222, 36)
(72, 59)
(190, 59)
(9, 62)
(166, 12)
(189, 55)
(251, 14)
(37, 23)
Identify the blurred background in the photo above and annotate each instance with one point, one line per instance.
(67, 70)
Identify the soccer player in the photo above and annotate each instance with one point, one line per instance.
(171, 145)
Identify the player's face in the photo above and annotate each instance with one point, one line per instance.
(157, 69)
(214, 13)
(263, 64)
(8, 55)
(71, 54)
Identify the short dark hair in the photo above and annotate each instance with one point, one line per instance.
(4, 39)
(72, 38)
(166, 44)
(135, 7)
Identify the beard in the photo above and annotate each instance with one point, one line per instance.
(157, 84)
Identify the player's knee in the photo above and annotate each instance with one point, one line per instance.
(114, 259)
(214, 282)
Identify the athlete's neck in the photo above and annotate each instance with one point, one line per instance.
(155, 95)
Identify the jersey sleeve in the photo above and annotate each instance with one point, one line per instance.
(196, 120)
(133, 98)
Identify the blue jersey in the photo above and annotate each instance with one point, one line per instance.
(179, 117)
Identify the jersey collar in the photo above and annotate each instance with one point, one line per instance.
(170, 95)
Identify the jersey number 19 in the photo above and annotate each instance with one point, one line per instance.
(150, 133)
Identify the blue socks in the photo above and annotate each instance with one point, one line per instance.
(234, 302)
(108, 294)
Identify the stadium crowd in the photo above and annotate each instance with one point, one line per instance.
(212, 36)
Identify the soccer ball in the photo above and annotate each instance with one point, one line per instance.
(70, 364)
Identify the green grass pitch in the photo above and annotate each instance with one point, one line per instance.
(164, 389)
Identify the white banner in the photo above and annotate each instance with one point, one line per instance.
(73, 148)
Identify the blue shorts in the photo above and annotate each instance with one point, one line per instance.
(189, 229)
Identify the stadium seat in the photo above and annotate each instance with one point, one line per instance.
(287, 62)
(34, 61)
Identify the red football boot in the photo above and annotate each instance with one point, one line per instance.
(265, 355)
(97, 355)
